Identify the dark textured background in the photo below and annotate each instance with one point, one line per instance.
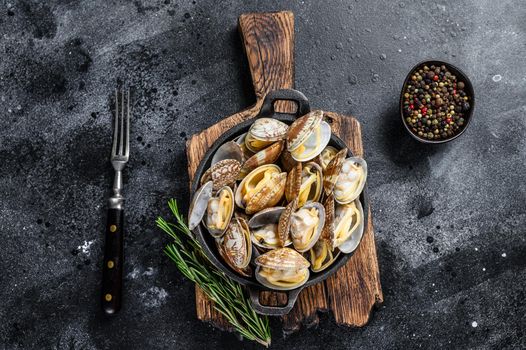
(450, 220)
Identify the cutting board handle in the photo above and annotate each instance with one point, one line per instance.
(268, 39)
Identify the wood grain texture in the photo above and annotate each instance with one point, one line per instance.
(353, 291)
(268, 39)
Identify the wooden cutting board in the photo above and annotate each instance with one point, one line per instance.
(351, 293)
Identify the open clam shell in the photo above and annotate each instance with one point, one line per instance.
(306, 225)
(199, 204)
(282, 269)
(264, 229)
(348, 226)
(263, 132)
(268, 155)
(351, 180)
(311, 184)
(262, 188)
(322, 256)
(228, 150)
(219, 211)
(302, 128)
(314, 144)
(235, 246)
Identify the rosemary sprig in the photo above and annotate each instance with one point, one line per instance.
(227, 294)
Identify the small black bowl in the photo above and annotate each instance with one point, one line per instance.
(468, 88)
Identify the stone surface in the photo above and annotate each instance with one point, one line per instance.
(449, 219)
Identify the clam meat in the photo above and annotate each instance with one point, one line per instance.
(351, 180)
(348, 226)
(322, 256)
(219, 211)
(311, 184)
(264, 229)
(306, 226)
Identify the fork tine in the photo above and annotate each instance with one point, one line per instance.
(121, 133)
(127, 145)
(115, 125)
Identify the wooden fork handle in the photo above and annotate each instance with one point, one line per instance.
(113, 262)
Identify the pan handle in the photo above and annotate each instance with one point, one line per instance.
(292, 295)
(267, 108)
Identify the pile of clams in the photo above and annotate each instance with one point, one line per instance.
(280, 202)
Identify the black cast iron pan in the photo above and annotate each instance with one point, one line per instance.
(207, 241)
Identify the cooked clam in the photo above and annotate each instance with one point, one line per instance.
(241, 142)
(333, 170)
(219, 211)
(311, 184)
(322, 256)
(264, 132)
(285, 222)
(262, 188)
(306, 226)
(268, 155)
(293, 185)
(199, 204)
(351, 180)
(222, 173)
(328, 228)
(229, 150)
(282, 269)
(348, 226)
(326, 156)
(308, 136)
(235, 246)
(264, 229)
(236, 243)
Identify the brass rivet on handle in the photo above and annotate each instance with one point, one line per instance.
(110, 264)
(108, 297)
(113, 228)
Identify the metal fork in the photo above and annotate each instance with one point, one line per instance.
(113, 249)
